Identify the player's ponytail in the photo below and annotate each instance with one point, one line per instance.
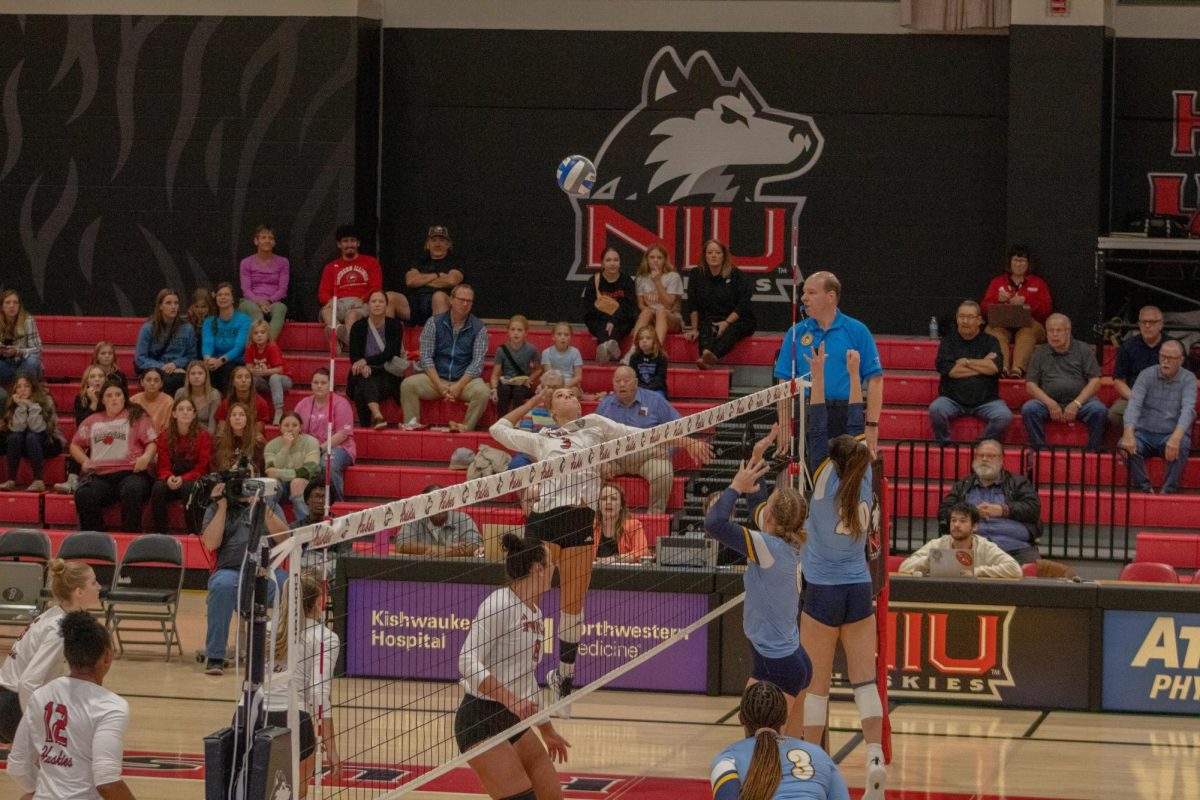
(310, 593)
(763, 712)
(851, 459)
(520, 554)
(789, 511)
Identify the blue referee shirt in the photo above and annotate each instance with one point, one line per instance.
(846, 333)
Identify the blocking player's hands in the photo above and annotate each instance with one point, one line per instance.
(760, 447)
(556, 745)
(747, 477)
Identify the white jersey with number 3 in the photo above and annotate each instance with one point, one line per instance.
(505, 643)
(71, 739)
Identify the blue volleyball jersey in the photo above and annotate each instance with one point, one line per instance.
(832, 556)
(808, 772)
(772, 578)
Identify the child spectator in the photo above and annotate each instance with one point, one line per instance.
(265, 362)
(166, 342)
(515, 370)
(264, 278)
(649, 362)
(186, 449)
(322, 411)
(20, 344)
(204, 397)
(201, 309)
(114, 448)
(237, 436)
(223, 338)
(241, 390)
(87, 402)
(32, 432)
(152, 398)
(104, 356)
(563, 357)
(660, 289)
(293, 458)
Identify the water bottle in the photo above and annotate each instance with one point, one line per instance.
(933, 328)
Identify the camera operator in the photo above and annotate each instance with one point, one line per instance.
(226, 534)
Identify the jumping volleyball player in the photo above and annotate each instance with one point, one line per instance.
(564, 513)
(768, 764)
(497, 662)
(838, 601)
(772, 573)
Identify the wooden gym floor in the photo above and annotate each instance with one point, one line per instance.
(641, 745)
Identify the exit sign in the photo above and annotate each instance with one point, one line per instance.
(1058, 8)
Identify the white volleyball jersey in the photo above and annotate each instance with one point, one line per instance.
(580, 486)
(314, 674)
(505, 642)
(36, 657)
(71, 739)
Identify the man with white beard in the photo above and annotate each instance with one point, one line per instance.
(1008, 504)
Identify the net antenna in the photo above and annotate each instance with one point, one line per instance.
(399, 722)
(798, 475)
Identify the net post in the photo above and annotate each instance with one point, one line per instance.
(333, 310)
(881, 620)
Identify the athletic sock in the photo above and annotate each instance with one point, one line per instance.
(874, 751)
(569, 629)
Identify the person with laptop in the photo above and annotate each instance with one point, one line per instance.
(968, 361)
(1016, 305)
(961, 552)
(1008, 504)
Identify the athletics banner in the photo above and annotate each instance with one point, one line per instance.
(412, 629)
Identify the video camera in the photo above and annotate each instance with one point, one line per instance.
(240, 485)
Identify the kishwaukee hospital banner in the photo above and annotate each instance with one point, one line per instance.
(415, 630)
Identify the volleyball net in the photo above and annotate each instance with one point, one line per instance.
(406, 580)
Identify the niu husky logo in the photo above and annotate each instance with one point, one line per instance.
(696, 159)
(946, 651)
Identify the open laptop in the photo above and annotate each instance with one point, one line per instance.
(1007, 315)
(945, 562)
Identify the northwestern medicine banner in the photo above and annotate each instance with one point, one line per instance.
(1151, 662)
(406, 629)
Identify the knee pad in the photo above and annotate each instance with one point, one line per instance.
(816, 709)
(866, 697)
(570, 626)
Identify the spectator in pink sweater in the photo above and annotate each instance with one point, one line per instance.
(315, 412)
(265, 282)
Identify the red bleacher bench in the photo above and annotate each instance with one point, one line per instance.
(54, 471)
(1177, 549)
(21, 508)
(60, 513)
(194, 556)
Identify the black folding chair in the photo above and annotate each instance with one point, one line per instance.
(144, 598)
(24, 555)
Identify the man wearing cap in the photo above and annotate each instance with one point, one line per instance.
(453, 347)
(448, 534)
(351, 278)
(428, 283)
(632, 405)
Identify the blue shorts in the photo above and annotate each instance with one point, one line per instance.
(839, 604)
(790, 673)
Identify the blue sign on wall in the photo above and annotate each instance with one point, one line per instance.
(1151, 662)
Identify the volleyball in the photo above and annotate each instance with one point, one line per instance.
(577, 176)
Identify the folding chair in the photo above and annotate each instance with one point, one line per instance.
(99, 550)
(146, 590)
(24, 555)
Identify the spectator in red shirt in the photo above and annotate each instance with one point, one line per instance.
(1019, 286)
(241, 390)
(351, 278)
(265, 362)
(185, 450)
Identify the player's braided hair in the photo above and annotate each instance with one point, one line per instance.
(789, 512)
(763, 713)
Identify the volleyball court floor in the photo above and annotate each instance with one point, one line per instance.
(634, 745)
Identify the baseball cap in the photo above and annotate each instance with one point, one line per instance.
(438, 230)
(462, 458)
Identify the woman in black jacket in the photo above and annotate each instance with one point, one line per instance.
(719, 296)
(612, 318)
(375, 340)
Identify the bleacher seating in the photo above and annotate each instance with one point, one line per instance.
(394, 463)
